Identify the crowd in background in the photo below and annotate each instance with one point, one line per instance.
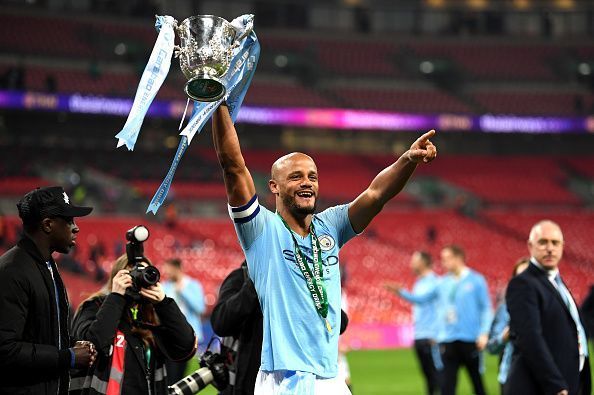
(537, 330)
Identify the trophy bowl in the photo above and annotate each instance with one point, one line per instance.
(205, 55)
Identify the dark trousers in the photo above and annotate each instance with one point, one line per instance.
(423, 349)
(175, 371)
(460, 353)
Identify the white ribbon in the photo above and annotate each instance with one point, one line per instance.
(236, 81)
(152, 78)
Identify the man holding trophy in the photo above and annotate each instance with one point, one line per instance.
(292, 256)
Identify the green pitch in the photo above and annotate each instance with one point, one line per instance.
(396, 372)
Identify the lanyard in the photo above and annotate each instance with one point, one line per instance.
(314, 281)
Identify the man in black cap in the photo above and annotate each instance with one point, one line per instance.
(35, 348)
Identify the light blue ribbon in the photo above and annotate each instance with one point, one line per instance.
(237, 80)
(152, 78)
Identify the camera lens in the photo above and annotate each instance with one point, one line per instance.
(151, 275)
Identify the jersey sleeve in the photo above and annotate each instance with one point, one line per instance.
(249, 221)
(338, 218)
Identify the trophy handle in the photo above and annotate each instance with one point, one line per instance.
(177, 51)
(244, 35)
(248, 29)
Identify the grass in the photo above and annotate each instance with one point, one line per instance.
(387, 372)
(397, 372)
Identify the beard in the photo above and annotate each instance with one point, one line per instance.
(297, 210)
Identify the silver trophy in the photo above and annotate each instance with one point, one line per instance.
(205, 53)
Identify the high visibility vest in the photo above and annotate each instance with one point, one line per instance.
(116, 374)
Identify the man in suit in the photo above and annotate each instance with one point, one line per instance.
(550, 344)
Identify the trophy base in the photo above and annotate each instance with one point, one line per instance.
(205, 89)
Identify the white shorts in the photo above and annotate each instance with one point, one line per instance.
(344, 372)
(287, 382)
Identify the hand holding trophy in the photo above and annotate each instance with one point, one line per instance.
(217, 57)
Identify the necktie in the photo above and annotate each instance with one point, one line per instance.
(583, 343)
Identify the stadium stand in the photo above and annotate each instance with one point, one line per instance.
(320, 70)
(313, 58)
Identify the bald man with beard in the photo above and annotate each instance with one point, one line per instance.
(292, 257)
(550, 345)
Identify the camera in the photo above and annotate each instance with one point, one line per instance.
(142, 276)
(213, 370)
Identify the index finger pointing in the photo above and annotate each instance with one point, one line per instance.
(427, 135)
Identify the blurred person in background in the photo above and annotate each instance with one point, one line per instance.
(498, 342)
(588, 313)
(189, 296)
(550, 342)
(134, 336)
(425, 300)
(35, 347)
(466, 316)
(300, 301)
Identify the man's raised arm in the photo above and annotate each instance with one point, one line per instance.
(389, 182)
(238, 180)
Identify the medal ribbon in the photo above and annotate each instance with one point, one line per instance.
(314, 281)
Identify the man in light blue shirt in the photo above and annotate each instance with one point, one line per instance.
(466, 317)
(292, 257)
(189, 296)
(425, 299)
(498, 342)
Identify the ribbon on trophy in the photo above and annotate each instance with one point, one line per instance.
(152, 78)
(236, 81)
(244, 58)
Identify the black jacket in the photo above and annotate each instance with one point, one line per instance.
(97, 321)
(588, 312)
(237, 314)
(544, 336)
(30, 362)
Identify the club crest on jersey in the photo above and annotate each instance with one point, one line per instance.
(326, 242)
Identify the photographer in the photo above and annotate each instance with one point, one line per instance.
(237, 315)
(135, 328)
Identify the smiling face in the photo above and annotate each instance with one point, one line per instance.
(295, 184)
(546, 244)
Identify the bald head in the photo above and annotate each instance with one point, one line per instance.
(285, 163)
(544, 226)
(545, 243)
(294, 181)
